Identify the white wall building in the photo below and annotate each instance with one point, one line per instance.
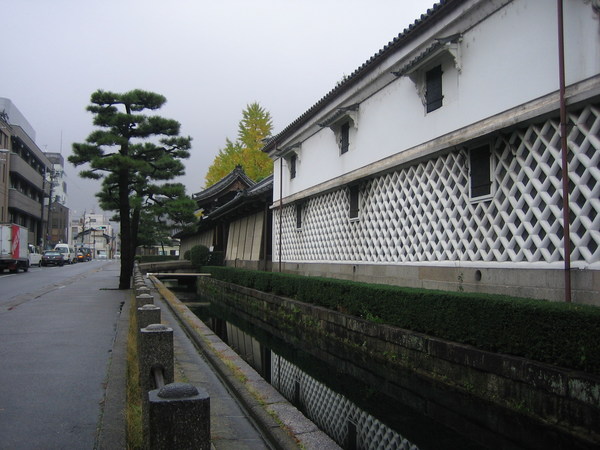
(57, 178)
(437, 163)
(94, 231)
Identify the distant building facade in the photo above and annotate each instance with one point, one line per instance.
(23, 168)
(437, 163)
(58, 213)
(95, 231)
(57, 178)
(58, 224)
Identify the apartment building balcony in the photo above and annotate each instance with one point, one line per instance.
(21, 202)
(18, 165)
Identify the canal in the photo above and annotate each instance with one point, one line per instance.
(355, 414)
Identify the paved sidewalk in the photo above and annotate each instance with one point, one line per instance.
(231, 427)
(55, 351)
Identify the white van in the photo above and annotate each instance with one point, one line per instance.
(68, 253)
(35, 257)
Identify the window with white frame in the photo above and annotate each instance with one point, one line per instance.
(344, 123)
(425, 69)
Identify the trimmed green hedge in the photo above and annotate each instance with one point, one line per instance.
(199, 255)
(155, 258)
(561, 334)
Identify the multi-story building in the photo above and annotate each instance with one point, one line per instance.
(58, 224)
(58, 213)
(58, 184)
(5, 134)
(23, 170)
(439, 163)
(94, 231)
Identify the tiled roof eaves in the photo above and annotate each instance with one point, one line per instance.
(231, 177)
(412, 32)
(263, 187)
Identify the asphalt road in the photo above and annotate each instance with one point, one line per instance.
(38, 279)
(57, 329)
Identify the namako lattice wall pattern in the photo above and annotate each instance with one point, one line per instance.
(422, 213)
(332, 412)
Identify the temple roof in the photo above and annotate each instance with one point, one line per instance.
(224, 189)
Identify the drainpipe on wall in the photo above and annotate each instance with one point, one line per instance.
(41, 237)
(564, 152)
(265, 233)
(280, 204)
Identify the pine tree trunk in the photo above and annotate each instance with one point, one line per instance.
(127, 249)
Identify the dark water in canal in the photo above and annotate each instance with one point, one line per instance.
(354, 414)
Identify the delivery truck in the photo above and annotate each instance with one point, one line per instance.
(14, 254)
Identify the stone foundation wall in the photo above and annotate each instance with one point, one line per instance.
(491, 397)
(546, 284)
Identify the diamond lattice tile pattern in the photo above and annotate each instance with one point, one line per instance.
(332, 412)
(423, 213)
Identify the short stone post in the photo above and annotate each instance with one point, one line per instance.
(147, 315)
(142, 289)
(179, 417)
(155, 351)
(143, 299)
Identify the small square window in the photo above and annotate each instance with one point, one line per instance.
(354, 205)
(480, 172)
(433, 89)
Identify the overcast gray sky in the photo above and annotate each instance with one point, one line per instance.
(208, 58)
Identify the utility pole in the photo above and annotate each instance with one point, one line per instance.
(42, 238)
(83, 227)
(564, 154)
(52, 177)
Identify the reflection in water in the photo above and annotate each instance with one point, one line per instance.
(357, 415)
(333, 413)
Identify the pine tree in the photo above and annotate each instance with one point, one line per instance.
(119, 153)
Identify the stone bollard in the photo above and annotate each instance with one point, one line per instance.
(179, 417)
(139, 290)
(147, 315)
(155, 350)
(143, 299)
(137, 281)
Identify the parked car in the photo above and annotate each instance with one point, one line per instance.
(87, 253)
(35, 257)
(52, 257)
(67, 251)
(101, 254)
